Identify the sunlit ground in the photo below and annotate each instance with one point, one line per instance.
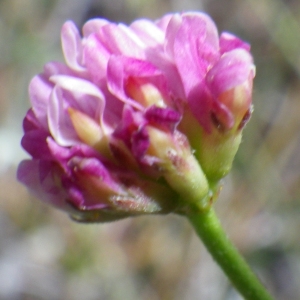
(44, 255)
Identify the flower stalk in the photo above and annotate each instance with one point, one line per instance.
(210, 231)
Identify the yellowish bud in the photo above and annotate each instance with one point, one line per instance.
(86, 128)
(146, 94)
(179, 166)
(238, 101)
(89, 131)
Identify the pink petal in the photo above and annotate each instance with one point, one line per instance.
(116, 77)
(200, 103)
(96, 57)
(231, 70)
(170, 73)
(195, 48)
(229, 42)
(39, 92)
(39, 177)
(121, 68)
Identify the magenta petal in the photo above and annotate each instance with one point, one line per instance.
(165, 117)
(63, 155)
(131, 120)
(34, 142)
(30, 121)
(76, 198)
(140, 143)
(60, 155)
(100, 179)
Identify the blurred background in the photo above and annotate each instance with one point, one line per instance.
(44, 255)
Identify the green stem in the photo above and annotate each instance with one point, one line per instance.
(209, 229)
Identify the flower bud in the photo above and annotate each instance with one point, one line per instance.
(179, 166)
(89, 132)
(230, 83)
(87, 129)
(146, 94)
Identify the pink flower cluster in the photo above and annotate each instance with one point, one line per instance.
(96, 120)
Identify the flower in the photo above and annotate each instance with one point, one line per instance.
(136, 117)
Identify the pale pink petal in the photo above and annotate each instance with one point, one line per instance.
(57, 68)
(72, 46)
(171, 33)
(93, 26)
(59, 121)
(163, 22)
(148, 32)
(82, 95)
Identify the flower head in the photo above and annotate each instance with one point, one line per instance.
(128, 124)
